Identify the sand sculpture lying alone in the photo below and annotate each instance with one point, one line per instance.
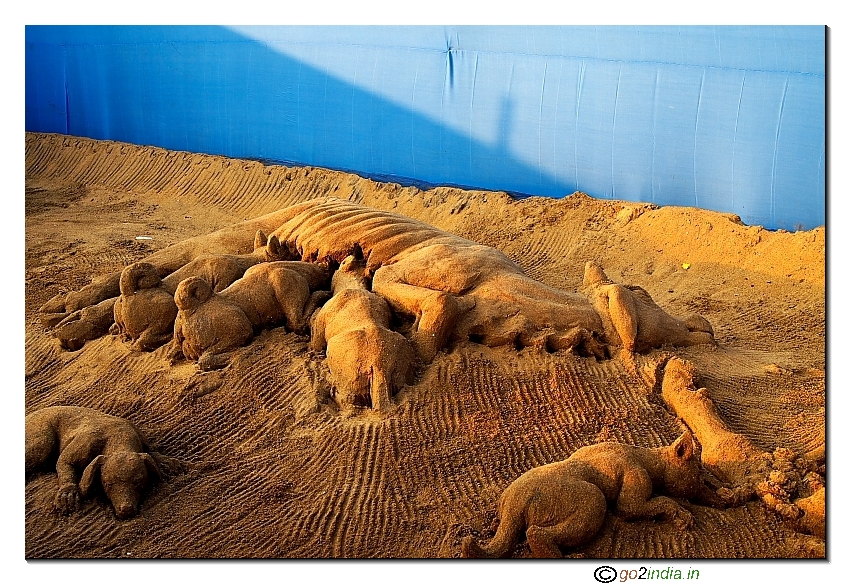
(563, 504)
(449, 286)
(368, 361)
(209, 325)
(105, 448)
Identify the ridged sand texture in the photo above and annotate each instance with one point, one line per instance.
(273, 470)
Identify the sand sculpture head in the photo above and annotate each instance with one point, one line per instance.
(594, 275)
(352, 273)
(682, 469)
(192, 293)
(124, 476)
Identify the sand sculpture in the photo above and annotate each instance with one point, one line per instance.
(220, 270)
(368, 362)
(209, 325)
(104, 447)
(634, 321)
(793, 486)
(563, 504)
(87, 323)
(145, 311)
(451, 287)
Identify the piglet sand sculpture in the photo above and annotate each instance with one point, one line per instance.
(367, 360)
(145, 311)
(563, 504)
(632, 319)
(450, 288)
(209, 325)
(105, 448)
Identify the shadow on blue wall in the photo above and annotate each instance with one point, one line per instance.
(744, 141)
(232, 96)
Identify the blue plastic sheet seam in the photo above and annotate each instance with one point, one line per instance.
(735, 135)
(775, 152)
(614, 132)
(696, 134)
(540, 123)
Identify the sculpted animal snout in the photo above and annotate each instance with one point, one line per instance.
(125, 509)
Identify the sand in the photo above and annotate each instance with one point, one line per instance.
(274, 470)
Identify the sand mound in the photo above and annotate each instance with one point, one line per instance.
(271, 467)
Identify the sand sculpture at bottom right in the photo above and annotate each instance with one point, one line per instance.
(563, 504)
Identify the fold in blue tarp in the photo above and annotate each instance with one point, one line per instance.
(725, 118)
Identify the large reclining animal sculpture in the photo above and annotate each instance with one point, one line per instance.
(449, 286)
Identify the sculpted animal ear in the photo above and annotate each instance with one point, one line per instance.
(260, 239)
(593, 274)
(202, 290)
(90, 474)
(151, 465)
(273, 247)
(684, 446)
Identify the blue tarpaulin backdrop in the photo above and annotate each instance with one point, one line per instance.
(729, 118)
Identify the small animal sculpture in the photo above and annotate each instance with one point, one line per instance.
(145, 311)
(368, 362)
(563, 504)
(633, 320)
(221, 270)
(210, 325)
(102, 446)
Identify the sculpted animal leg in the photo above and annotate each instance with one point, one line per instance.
(380, 390)
(577, 338)
(634, 502)
(436, 312)
(149, 340)
(68, 497)
(41, 441)
(209, 361)
(569, 516)
(317, 331)
(542, 543)
(85, 324)
(60, 306)
(624, 315)
(292, 294)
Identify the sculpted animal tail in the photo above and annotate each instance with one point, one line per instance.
(381, 392)
(506, 536)
(138, 276)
